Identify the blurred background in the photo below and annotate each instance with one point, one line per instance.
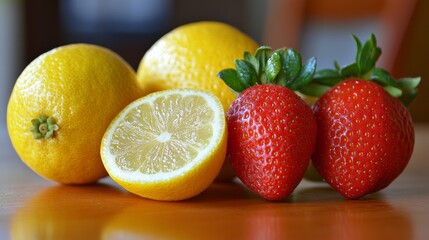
(320, 28)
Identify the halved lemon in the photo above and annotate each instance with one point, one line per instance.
(169, 145)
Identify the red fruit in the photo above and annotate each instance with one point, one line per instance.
(271, 136)
(365, 137)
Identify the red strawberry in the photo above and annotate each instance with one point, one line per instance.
(365, 138)
(271, 131)
(365, 134)
(271, 135)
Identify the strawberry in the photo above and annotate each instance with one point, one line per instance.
(365, 133)
(271, 131)
(365, 138)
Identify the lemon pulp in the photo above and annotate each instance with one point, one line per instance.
(166, 138)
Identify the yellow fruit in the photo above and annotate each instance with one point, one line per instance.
(81, 88)
(191, 56)
(308, 99)
(169, 145)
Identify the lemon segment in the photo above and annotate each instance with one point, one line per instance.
(169, 145)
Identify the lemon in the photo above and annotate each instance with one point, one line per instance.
(169, 145)
(191, 56)
(60, 107)
(309, 100)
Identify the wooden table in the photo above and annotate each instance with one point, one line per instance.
(33, 208)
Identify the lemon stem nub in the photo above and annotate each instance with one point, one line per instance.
(43, 127)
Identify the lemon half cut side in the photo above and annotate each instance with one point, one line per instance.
(169, 145)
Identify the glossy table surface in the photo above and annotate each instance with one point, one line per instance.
(34, 208)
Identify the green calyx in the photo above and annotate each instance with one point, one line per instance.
(43, 127)
(364, 68)
(282, 67)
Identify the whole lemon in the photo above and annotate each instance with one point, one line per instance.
(61, 105)
(191, 56)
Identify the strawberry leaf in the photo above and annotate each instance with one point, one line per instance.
(364, 68)
(358, 47)
(252, 60)
(409, 83)
(246, 72)
(305, 76)
(368, 55)
(328, 77)
(351, 70)
(292, 64)
(393, 91)
(337, 65)
(409, 88)
(262, 54)
(230, 77)
(282, 67)
(382, 76)
(314, 89)
(407, 99)
(273, 66)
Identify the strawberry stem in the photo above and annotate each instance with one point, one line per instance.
(282, 67)
(364, 67)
